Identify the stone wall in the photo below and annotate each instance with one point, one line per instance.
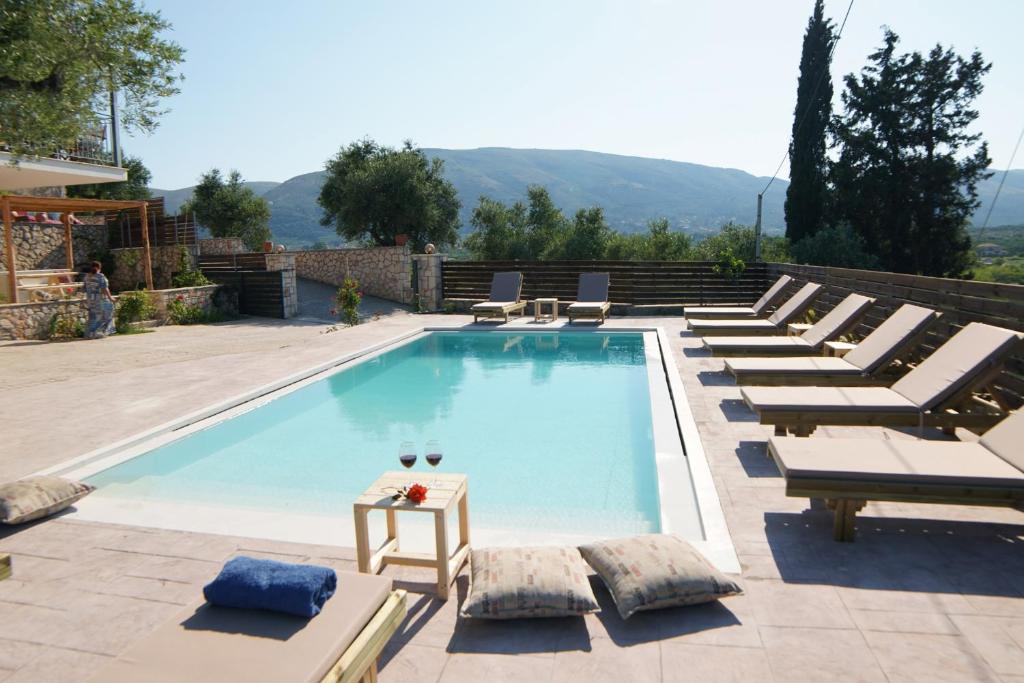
(129, 272)
(429, 282)
(221, 245)
(285, 262)
(32, 321)
(41, 246)
(384, 272)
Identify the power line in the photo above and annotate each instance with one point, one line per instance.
(999, 189)
(814, 95)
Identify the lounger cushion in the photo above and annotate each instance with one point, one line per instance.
(827, 399)
(1006, 439)
(881, 346)
(713, 325)
(838, 319)
(506, 286)
(756, 345)
(655, 571)
(593, 287)
(493, 305)
(589, 306)
(903, 461)
(36, 497)
(513, 583)
(789, 366)
(795, 304)
(206, 643)
(723, 311)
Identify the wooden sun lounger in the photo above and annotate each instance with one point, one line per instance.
(773, 324)
(215, 644)
(591, 297)
(865, 365)
(836, 322)
(849, 472)
(759, 308)
(504, 298)
(936, 393)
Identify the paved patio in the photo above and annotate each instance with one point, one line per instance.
(926, 592)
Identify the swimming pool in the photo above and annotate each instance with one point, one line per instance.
(564, 436)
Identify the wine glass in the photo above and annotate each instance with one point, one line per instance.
(433, 455)
(407, 454)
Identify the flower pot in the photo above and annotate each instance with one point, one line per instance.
(268, 247)
(400, 240)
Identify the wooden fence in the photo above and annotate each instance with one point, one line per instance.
(960, 301)
(210, 263)
(260, 292)
(125, 227)
(632, 283)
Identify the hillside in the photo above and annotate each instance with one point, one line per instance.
(173, 199)
(632, 190)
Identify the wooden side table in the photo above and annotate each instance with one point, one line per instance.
(796, 329)
(446, 492)
(538, 310)
(837, 348)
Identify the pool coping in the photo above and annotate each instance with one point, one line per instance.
(717, 543)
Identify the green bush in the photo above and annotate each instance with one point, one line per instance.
(66, 325)
(839, 246)
(347, 300)
(187, 276)
(133, 307)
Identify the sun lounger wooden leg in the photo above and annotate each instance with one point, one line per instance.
(843, 522)
(780, 430)
(949, 430)
(803, 430)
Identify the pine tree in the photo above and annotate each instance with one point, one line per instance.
(907, 173)
(807, 193)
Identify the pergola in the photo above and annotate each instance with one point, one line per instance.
(11, 203)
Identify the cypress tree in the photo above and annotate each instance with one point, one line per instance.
(807, 194)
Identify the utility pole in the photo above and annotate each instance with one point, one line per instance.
(115, 134)
(757, 229)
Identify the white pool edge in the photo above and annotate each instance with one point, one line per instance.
(717, 545)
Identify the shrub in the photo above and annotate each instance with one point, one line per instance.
(347, 300)
(133, 307)
(729, 265)
(66, 325)
(181, 313)
(187, 276)
(838, 246)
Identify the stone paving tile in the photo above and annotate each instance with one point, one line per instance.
(997, 639)
(815, 654)
(682, 663)
(495, 668)
(903, 622)
(402, 662)
(58, 665)
(919, 657)
(609, 663)
(778, 604)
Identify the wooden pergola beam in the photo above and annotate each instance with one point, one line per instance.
(12, 275)
(65, 218)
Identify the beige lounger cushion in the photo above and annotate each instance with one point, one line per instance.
(901, 461)
(216, 644)
(758, 345)
(590, 306)
(513, 583)
(957, 364)
(847, 312)
(795, 304)
(494, 305)
(36, 497)
(889, 338)
(723, 311)
(1006, 439)
(712, 325)
(827, 399)
(788, 366)
(655, 571)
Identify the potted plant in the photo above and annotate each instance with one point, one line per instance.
(401, 239)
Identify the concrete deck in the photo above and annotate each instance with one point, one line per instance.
(926, 592)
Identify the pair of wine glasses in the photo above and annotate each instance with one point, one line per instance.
(432, 453)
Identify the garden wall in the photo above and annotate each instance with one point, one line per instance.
(32, 321)
(39, 247)
(219, 246)
(129, 271)
(384, 272)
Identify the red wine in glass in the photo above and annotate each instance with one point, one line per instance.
(433, 455)
(407, 454)
(407, 460)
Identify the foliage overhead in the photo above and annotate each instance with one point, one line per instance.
(230, 209)
(135, 187)
(375, 192)
(61, 59)
(807, 193)
(908, 169)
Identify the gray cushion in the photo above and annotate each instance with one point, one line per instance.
(771, 295)
(715, 325)
(838, 319)
(827, 399)
(506, 286)
(655, 571)
(957, 364)
(1006, 440)
(796, 304)
(593, 287)
(881, 347)
(756, 345)
(817, 365)
(723, 311)
(902, 461)
(35, 497)
(512, 583)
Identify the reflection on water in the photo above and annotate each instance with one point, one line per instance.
(542, 423)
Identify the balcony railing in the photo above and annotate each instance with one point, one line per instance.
(94, 147)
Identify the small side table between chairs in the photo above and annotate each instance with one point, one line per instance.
(445, 493)
(539, 313)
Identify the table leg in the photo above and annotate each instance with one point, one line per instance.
(441, 538)
(464, 519)
(362, 541)
(392, 527)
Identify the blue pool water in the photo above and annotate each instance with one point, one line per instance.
(554, 431)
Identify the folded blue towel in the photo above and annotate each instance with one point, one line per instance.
(250, 583)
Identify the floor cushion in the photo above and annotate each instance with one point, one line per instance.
(35, 497)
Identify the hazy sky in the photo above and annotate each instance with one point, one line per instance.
(275, 88)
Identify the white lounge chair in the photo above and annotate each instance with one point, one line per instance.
(774, 324)
(759, 308)
(591, 297)
(865, 364)
(849, 472)
(932, 394)
(504, 298)
(834, 323)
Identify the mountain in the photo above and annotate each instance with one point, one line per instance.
(173, 199)
(632, 190)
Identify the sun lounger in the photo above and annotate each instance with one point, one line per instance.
(207, 643)
(834, 323)
(866, 364)
(849, 472)
(504, 299)
(755, 311)
(932, 394)
(773, 324)
(591, 297)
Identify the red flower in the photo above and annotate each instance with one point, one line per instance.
(181, 297)
(417, 493)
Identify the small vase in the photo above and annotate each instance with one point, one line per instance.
(400, 240)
